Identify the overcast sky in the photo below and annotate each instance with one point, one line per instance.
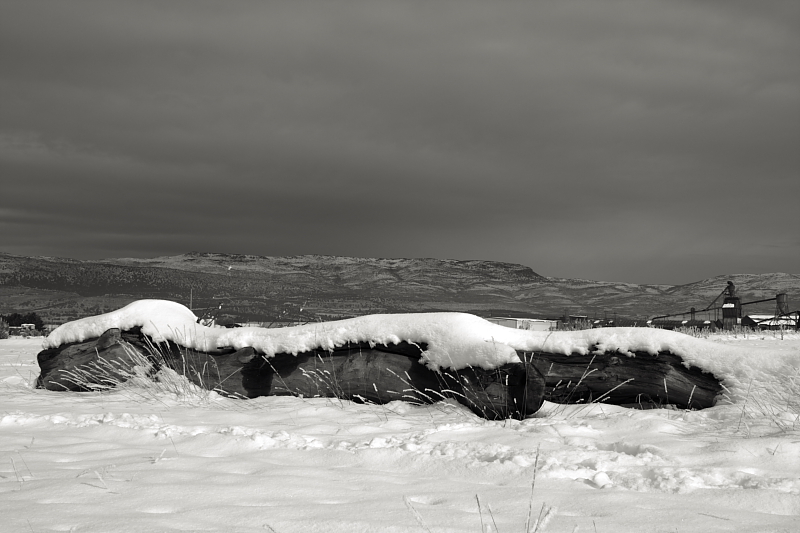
(640, 141)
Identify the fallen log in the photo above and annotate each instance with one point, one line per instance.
(356, 371)
(385, 373)
(91, 365)
(418, 357)
(639, 380)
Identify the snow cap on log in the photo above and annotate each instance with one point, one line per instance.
(454, 340)
(161, 320)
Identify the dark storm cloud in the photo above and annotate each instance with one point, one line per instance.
(632, 140)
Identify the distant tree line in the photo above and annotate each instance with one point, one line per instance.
(17, 319)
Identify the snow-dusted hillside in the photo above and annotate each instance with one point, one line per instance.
(255, 288)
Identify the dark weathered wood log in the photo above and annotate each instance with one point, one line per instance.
(82, 366)
(379, 374)
(384, 373)
(642, 381)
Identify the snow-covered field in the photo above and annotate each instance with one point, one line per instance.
(139, 460)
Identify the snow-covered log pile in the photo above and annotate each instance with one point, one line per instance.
(496, 371)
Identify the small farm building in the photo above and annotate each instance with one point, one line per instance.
(533, 324)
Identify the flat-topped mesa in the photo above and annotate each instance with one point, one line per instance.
(498, 372)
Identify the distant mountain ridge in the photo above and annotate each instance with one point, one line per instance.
(353, 271)
(314, 287)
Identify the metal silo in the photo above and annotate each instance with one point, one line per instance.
(782, 300)
(731, 308)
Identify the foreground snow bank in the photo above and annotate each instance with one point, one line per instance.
(139, 458)
(454, 340)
